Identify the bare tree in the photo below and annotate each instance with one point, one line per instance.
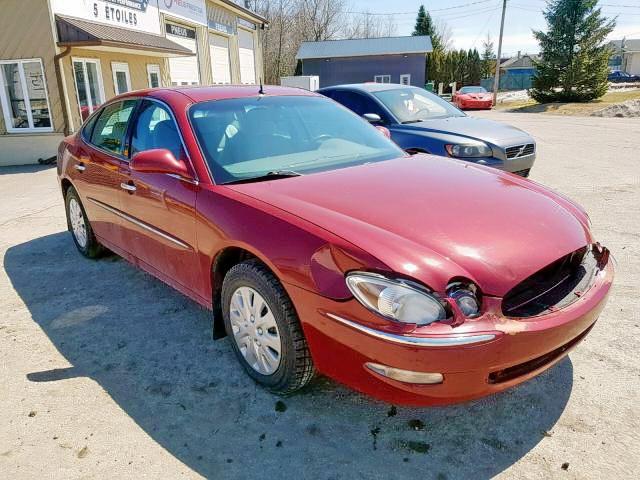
(366, 25)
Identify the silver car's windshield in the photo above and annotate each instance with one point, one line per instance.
(247, 139)
(412, 104)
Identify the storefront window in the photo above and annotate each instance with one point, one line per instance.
(88, 85)
(153, 72)
(24, 96)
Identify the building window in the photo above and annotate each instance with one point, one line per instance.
(24, 96)
(121, 77)
(153, 75)
(382, 78)
(89, 88)
(405, 79)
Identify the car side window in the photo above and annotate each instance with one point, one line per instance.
(155, 128)
(110, 130)
(358, 103)
(88, 127)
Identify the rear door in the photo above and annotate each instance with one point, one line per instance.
(160, 209)
(97, 169)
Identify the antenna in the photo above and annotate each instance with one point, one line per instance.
(261, 91)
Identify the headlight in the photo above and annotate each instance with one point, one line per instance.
(469, 149)
(395, 299)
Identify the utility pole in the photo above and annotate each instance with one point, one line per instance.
(496, 76)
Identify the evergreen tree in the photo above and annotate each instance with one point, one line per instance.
(425, 26)
(488, 58)
(574, 58)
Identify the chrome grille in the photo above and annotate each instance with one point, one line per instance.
(518, 151)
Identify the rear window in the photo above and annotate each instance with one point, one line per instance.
(248, 137)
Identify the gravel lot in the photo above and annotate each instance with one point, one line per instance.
(107, 373)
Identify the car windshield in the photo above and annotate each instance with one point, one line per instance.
(472, 90)
(412, 104)
(249, 138)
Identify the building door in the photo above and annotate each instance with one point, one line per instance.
(89, 88)
(220, 65)
(247, 57)
(405, 79)
(121, 77)
(153, 75)
(183, 70)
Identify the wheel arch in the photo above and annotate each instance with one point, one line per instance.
(222, 262)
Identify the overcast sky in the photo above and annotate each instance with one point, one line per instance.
(470, 20)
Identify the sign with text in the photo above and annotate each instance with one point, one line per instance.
(180, 31)
(192, 10)
(142, 15)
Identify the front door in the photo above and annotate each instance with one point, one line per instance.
(159, 227)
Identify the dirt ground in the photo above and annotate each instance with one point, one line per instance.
(107, 373)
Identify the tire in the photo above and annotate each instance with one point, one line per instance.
(294, 364)
(86, 244)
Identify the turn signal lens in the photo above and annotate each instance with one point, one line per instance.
(406, 376)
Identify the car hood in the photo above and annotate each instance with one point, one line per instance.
(433, 218)
(471, 127)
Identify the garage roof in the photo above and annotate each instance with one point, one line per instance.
(75, 32)
(365, 47)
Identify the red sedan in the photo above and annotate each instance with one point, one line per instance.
(320, 246)
(468, 98)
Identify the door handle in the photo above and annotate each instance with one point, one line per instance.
(128, 187)
(80, 167)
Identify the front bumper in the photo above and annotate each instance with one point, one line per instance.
(503, 352)
(476, 104)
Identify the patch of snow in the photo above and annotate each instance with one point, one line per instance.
(630, 108)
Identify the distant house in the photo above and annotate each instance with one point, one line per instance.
(626, 57)
(382, 60)
(519, 65)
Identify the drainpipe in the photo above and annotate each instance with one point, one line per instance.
(58, 69)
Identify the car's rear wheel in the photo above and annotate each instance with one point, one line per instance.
(80, 227)
(264, 329)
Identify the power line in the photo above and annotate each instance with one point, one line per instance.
(428, 11)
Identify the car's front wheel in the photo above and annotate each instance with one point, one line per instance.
(264, 329)
(80, 227)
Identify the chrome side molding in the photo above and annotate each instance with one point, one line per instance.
(141, 224)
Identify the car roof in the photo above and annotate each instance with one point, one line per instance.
(218, 92)
(366, 87)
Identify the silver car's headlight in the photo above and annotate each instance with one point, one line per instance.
(469, 149)
(396, 299)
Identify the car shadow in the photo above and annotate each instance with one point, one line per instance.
(32, 168)
(150, 349)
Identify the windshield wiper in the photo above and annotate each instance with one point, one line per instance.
(413, 121)
(272, 175)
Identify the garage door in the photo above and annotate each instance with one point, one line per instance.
(183, 70)
(220, 66)
(247, 57)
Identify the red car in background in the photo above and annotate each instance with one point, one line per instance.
(322, 247)
(468, 98)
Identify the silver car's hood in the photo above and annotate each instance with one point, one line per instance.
(471, 127)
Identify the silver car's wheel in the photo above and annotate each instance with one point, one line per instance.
(78, 226)
(255, 330)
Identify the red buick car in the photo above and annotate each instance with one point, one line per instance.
(468, 98)
(320, 246)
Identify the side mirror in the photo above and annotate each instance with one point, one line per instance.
(372, 117)
(159, 160)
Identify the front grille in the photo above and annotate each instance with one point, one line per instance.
(523, 173)
(554, 287)
(518, 151)
(521, 369)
